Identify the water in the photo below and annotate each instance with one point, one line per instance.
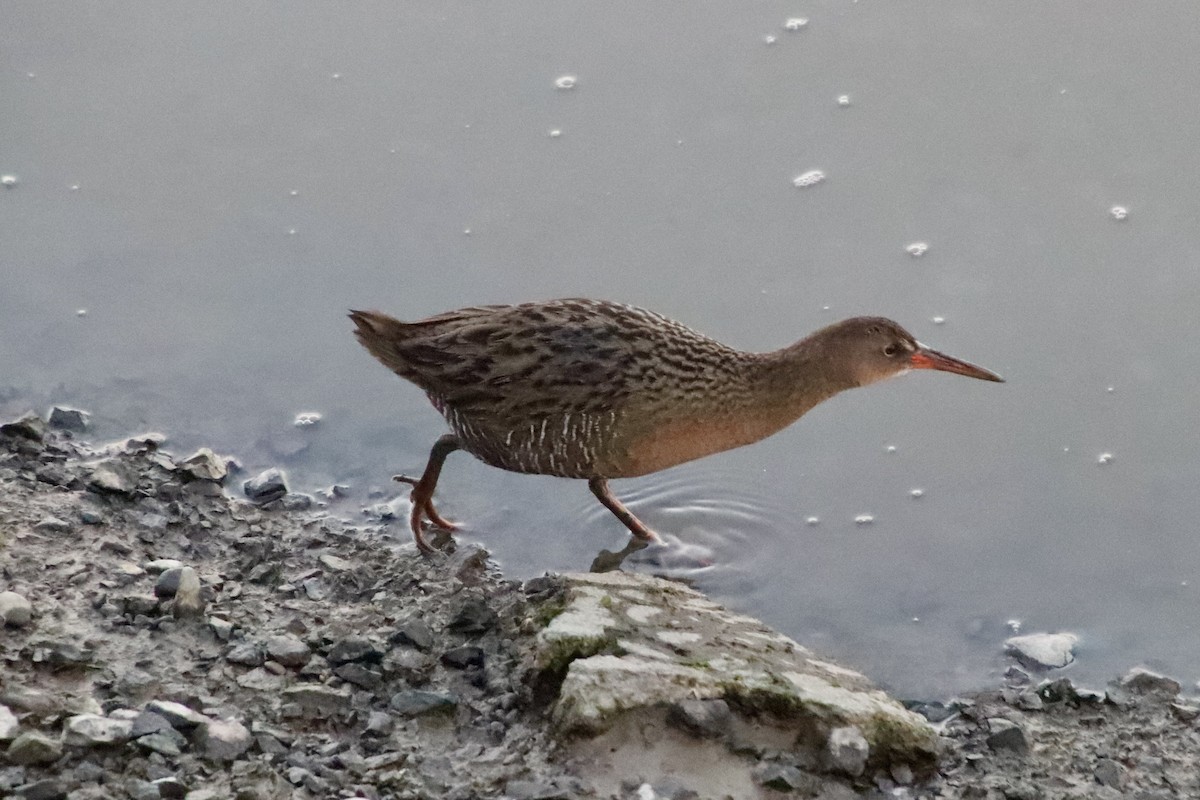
(201, 185)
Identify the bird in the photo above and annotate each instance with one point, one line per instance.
(599, 390)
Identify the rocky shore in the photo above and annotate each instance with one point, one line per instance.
(174, 630)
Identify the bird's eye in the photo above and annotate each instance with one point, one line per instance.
(891, 349)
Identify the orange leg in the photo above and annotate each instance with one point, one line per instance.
(599, 487)
(422, 493)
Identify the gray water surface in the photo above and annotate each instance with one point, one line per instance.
(216, 184)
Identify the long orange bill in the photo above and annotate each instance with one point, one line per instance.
(925, 358)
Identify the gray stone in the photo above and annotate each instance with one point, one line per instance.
(783, 778)
(704, 718)
(91, 517)
(335, 563)
(413, 633)
(114, 477)
(379, 723)
(297, 501)
(1006, 735)
(45, 789)
(359, 675)
(28, 426)
(204, 465)
(533, 790)
(223, 739)
(148, 722)
(168, 582)
(288, 650)
(317, 700)
(60, 653)
(9, 726)
(353, 648)
(189, 603)
(1111, 773)
(52, 524)
(247, 654)
(474, 616)
(15, 610)
(848, 750)
(94, 730)
(1142, 681)
(170, 788)
(1043, 650)
(414, 702)
(463, 657)
(221, 628)
(69, 419)
(168, 743)
(33, 747)
(180, 716)
(265, 487)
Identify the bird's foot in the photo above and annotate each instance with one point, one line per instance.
(424, 501)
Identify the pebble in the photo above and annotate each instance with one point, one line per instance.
(782, 777)
(475, 616)
(69, 419)
(170, 788)
(180, 716)
(317, 700)
(1142, 681)
(33, 747)
(169, 742)
(265, 487)
(221, 628)
(463, 657)
(53, 525)
(360, 676)
(15, 610)
(113, 477)
(248, 654)
(94, 730)
(1006, 735)
(29, 426)
(847, 749)
(353, 648)
(414, 702)
(288, 650)
(414, 633)
(223, 739)
(1044, 650)
(1111, 773)
(147, 722)
(168, 583)
(45, 789)
(204, 465)
(704, 718)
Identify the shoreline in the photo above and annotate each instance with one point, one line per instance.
(167, 638)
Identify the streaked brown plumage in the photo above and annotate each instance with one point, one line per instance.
(592, 389)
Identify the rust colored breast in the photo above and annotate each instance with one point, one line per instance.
(689, 438)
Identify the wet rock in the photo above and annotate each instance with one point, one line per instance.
(223, 740)
(114, 477)
(848, 750)
(288, 650)
(60, 654)
(1043, 650)
(783, 778)
(1142, 681)
(45, 789)
(29, 426)
(473, 617)
(188, 601)
(297, 501)
(204, 465)
(33, 747)
(704, 718)
(180, 716)
(248, 654)
(53, 524)
(353, 648)
(359, 675)
(15, 610)
(1006, 735)
(265, 487)
(148, 722)
(9, 726)
(1111, 773)
(413, 633)
(463, 657)
(170, 788)
(91, 517)
(94, 730)
(415, 703)
(221, 628)
(379, 724)
(169, 743)
(411, 665)
(168, 582)
(69, 419)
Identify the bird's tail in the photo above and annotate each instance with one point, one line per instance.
(381, 335)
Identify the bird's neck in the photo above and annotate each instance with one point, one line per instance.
(796, 378)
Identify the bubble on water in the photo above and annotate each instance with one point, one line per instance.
(81, 312)
(554, 133)
(74, 187)
(337, 76)
(864, 519)
(466, 231)
(938, 320)
(916, 619)
(810, 178)
(30, 75)
(1118, 212)
(795, 24)
(565, 82)
(1111, 389)
(843, 100)
(8, 181)
(1014, 625)
(812, 521)
(769, 39)
(825, 308)
(1183, 583)
(291, 231)
(916, 493)
(294, 193)
(917, 249)
(306, 418)
(891, 448)
(1105, 458)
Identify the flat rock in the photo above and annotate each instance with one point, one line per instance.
(1140, 680)
(413, 633)
(223, 739)
(33, 747)
(353, 648)
(414, 703)
(94, 730)
(204, 465)
(265, 487)
(317, 700)
(114, 477)
(69, 419)
(1006, 735)
(288, 650)
(45, 789)
(617, 663)
(180, 716)
(1043, 650)
(28, 426)
(15, 610)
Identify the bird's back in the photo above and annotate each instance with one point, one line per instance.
(565, 387)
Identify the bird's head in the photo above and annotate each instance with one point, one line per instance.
(874, 348)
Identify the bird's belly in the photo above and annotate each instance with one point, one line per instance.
(564, 445)
(678, 441)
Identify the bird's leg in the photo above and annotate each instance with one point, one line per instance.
(422, 493)
(599, 487)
